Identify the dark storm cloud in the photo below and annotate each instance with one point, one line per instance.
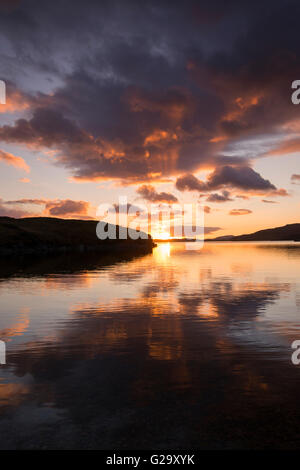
(240, 177)
(46, 128)
(215, 197)
(149, 193)
(67, 207)
(143, 90)
(190, 183)
(125, 208)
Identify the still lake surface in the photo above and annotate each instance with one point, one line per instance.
(175, 349)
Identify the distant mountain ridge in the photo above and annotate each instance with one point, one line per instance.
(285, 233)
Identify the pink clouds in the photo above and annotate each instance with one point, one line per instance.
(24, 180)
(13, 160)
(65, 208)
(240, 212)
(15, 212)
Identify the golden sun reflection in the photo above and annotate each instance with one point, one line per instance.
(163, 251)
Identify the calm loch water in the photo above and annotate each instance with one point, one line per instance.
(177, 349)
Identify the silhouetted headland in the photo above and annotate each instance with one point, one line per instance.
(46, 235)
(290, 232)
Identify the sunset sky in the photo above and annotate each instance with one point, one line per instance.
(162, 102)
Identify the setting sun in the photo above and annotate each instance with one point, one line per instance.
(161, 235)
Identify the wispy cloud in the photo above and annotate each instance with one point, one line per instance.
(13, 160)
(240, 212)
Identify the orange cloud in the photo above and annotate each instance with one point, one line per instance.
(240, 212)
(288, 146)
(175, 104)
(15, 101)
(240, 105)
(13, 160)
(24, 180)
